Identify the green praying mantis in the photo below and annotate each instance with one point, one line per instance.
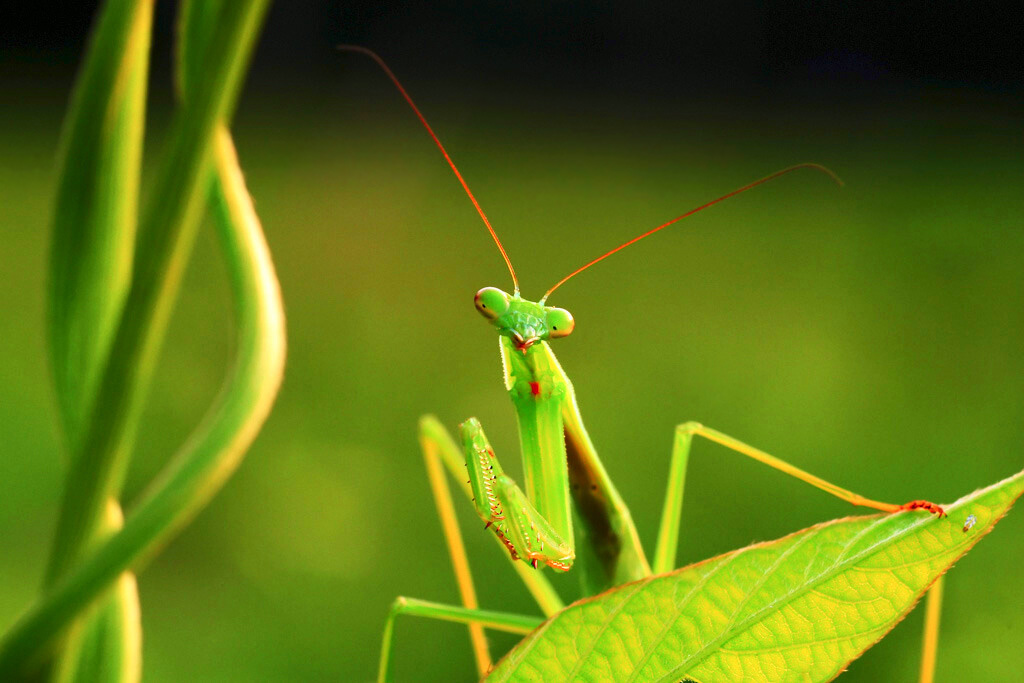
(568, 515)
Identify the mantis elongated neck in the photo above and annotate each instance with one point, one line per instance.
(538, 390)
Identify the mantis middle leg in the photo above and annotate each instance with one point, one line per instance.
(501, 621)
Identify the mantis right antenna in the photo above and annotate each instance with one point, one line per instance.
(748, 186)
(394, 79)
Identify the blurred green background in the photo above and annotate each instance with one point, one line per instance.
(870, 334)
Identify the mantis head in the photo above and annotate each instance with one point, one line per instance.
(522, 321)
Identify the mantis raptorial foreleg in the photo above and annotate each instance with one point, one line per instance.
(438, 445)
(501, 621)
(505, 508)
(668, 535)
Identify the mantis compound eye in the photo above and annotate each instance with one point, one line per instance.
(491, 302)
(560, 323)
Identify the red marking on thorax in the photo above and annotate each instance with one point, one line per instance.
(535, 388)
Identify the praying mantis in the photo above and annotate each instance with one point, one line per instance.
(568, 516)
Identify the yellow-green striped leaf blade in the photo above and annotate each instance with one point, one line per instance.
(796, 609)
(93, 241)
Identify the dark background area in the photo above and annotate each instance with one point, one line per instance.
(870, 335)
(665, 49)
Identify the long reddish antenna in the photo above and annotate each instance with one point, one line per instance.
(816, 167)
(380, 62)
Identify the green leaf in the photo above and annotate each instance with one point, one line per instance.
(94, 223)
(218, 444)
(167, 231)
(796, 609)
(213, 451)
(96, 205)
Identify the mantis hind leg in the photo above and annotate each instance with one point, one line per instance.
(501, 621)
(432, 442)
(668, 535)
(930, 644)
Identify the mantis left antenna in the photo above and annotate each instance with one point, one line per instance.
(394, 79)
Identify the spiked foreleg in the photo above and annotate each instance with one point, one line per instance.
(506, 510)
(438, 446)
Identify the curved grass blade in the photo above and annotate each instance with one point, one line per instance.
(105, 647)
(96, 205)
(797, 609)
(167, 231)
(94, 224)
(220, 442)
(214, 450)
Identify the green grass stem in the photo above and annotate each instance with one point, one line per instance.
(94, 227)
(167, 231)
(214, 450)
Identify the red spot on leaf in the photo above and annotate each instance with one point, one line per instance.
(535, 388)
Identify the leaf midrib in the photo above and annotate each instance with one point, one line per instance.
(678, 611)
(702, 654)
